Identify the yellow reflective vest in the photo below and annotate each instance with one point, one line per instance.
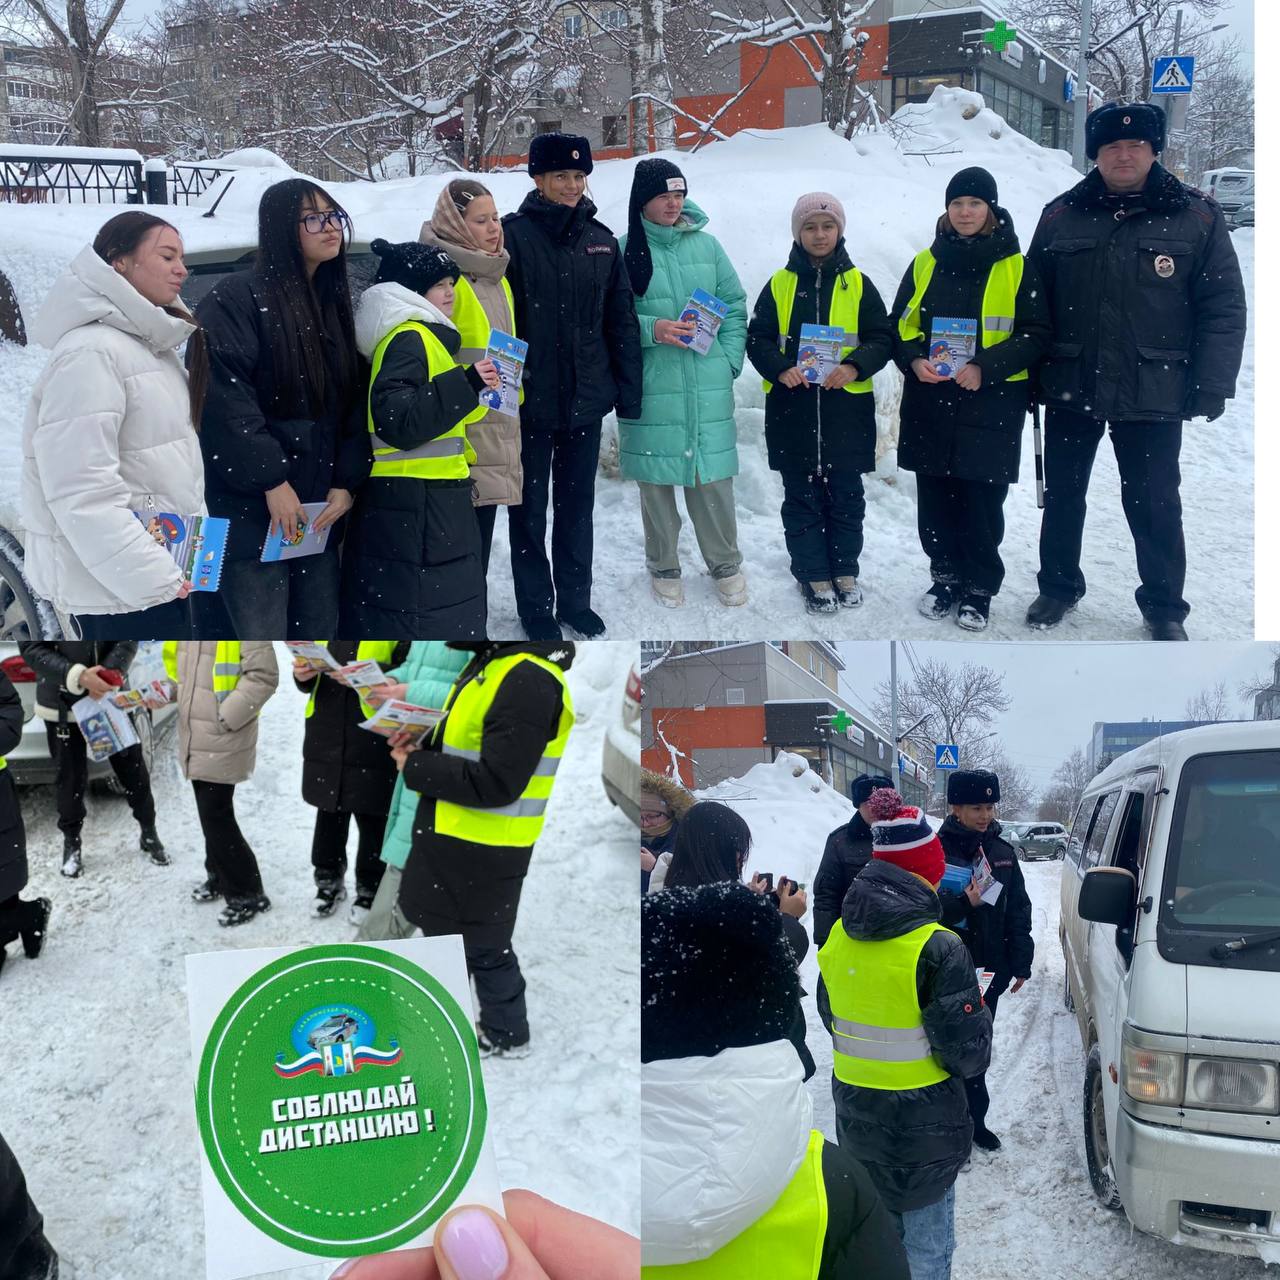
(448, 456)
(469, 317)
(226, 665)
(999, 302)
(379, 651)
(784, 1244)
(461, 733)
(846, 305)
(878, 1037)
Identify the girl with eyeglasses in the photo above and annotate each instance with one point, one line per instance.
(283, 415)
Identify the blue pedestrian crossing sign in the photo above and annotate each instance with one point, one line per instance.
(1173, 75)
(946, 756)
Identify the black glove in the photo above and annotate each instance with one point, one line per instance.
(1204, 404)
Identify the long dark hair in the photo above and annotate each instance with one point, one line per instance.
(711, 845)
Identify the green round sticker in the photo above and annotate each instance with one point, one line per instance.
(339, 1100)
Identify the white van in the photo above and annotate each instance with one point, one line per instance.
(1171, 934)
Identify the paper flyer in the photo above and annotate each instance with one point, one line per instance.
(508, 354)
(154, 695)
(985, 977)
(305, 542)
(402, 717)
(955, 878)
(363, 675)
(952, 344)
(106, 728)
(339, 1101)
(988, 885)
(708, 313)
(819, 351)
(198, 544)
(314, 653)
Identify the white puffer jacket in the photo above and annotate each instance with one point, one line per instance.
(108, 431)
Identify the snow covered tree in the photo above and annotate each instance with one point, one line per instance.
(1060, 802)
(1213, 703)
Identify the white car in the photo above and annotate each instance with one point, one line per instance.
(620, 766)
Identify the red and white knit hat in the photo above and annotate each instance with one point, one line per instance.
(901, 834)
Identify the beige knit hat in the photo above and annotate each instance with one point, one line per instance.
(816, 202)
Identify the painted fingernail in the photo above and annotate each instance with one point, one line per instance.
(344, 1270)
(474, 1246)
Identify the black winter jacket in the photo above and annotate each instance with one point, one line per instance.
(1146, 300)
(457, 886)
(914, 1141)
(574, 306)
(345, 769)
(998, 935)
(848, 850)
(944, 429)
(411, 561)
(52, 661)
(861, 1241)
(256, 434)
(807, 427)
(13, 836)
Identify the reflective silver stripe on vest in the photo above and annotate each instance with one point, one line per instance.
(460, 752)
(885, 1035)
(226, 668)
(998, 324)
(519, 809)
(879, 1052)
(546, 767)
(448, 447)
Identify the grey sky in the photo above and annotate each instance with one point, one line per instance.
(1058, 691)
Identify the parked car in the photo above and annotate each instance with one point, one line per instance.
(1241, 217)
(30, 761)
(1041, 840)
(1169, 928)
(1231, 188)
(620, 766)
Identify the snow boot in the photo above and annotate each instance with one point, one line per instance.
(1048, 611)
(848, 593)
(732, 590)
(242, 910)
(668, 592)
(37, 926)
(819, 597)
(985, 1139)
(1167, 629)
(974, 612)
(72, 862)
(542, 628)
(937, 602)
(328, 894)
(38, 1260)
(586, 624)
(150, 844)
(205, 891)
(495, 1046)
(361, 907)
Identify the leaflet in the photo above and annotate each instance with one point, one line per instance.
(988, 885)
(315, 654)
(198, 544)
(106, 728)
(819, 351)
(952, 343)
(708, 313)
(363, 675)
(508, 355)
(305, 541)
(985, 977)
(955, 878)
(154, 695)
(403, 717)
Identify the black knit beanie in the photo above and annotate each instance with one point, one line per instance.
(416, 266)
(652, 178)
(716, 972)
(973, 182)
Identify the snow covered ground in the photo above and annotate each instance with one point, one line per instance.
(95, 1097)
(1027, 1211)
(747, 186)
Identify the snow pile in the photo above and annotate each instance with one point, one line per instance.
(96, 1101)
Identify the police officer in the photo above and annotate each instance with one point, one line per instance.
(847, 851)
(1148, 312)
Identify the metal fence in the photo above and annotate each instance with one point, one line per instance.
(44, 179)
(187, 182)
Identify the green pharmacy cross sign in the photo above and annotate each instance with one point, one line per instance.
(842, 721)
(1000, 36)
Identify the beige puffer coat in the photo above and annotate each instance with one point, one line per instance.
(496, 475)
(218, 741)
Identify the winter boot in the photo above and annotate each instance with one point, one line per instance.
(242, 910)
(150, 844)
(668, 592)
(38, 1260)
(732, 590)
(493, 1045)
(985, 1139)
(848, 593)
(1167, 629)
(206, 891)
(1048, 611)
(541, 627)
(586, 624)
(33, 932)
(974, 612)
(72, 862)
(819, 597)
(328, 894)
(937, 602)
(361, 907)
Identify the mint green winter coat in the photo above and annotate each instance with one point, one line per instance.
(429, 672)
(686, 433)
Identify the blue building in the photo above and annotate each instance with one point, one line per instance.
(1114, 738)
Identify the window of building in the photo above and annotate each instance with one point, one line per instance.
(613, 19)
(919, 88)
(574, 25)
(549, 126)
(735, 697)
(613, 131)
(215, 70)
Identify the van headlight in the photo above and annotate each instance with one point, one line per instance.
(1233, 1084)
(1151, 1075)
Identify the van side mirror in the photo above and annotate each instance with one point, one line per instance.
(1108, 895)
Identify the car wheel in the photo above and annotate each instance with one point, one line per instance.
(1097, 1151)
(1060, 851)
(23, 614)
(146, 740)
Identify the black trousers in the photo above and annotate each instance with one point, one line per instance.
(329, 848)
(560, 465)
(975, 1087)
(168, 621)
(1147, 457)
(486, 517)
(229, 861)
(961, 525)
(21, 1225)
(69, 749)
(500, 992)
(822, 519)
(289, 600)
